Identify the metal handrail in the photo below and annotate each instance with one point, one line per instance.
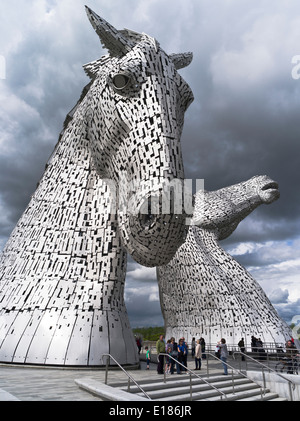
(127, 374)
(238, 371)
(291, 383)
(191, 372)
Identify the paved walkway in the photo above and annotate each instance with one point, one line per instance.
(55, 384)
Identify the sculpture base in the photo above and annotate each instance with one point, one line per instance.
(111, 366)
(72, 338)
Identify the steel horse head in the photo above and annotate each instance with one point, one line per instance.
(136, 113)
(62, 271)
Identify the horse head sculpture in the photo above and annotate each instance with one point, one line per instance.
(222, 210)
(62, 271)
(135, 138)
(204, 291)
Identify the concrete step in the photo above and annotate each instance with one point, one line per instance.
(175, 382)
(244, 390)
(267, 397)
(177, 388)
(251, 395)
(183, 391)
(241, 393)
(211, 394)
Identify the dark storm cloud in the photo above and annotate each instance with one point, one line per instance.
(143, 313)
(142, 297)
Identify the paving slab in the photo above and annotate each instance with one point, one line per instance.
(32, 383)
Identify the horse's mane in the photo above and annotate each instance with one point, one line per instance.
(71, 113)
(92, 70)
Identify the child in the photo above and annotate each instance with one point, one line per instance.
(148, 357)
(168, 361)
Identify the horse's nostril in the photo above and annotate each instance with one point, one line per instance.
(148, 211)
(146, 220)
(270, 186)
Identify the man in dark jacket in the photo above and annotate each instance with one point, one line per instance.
(291, 354)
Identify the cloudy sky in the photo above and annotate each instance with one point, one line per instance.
(244, 120)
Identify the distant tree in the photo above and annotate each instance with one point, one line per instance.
(149, 333)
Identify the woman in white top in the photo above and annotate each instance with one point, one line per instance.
(198, 355)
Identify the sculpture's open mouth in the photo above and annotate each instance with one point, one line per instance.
(271, 186)
(269, 192)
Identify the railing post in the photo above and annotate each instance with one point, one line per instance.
(108, 356)
(240, 362)
(128, 387)
(232, 381)
(264, 377)
(291, 393)
(207, 369)
(106, 369)
(164, 369)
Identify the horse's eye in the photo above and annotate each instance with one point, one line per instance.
(120, 81)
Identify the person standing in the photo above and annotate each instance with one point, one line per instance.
(174, 354)
(168, 351)
(193, 345)
(202, 342)
(148, 357)
(185, 355)
(241, 345)
(223, 354)
(139, 344)
(291, 354)
(198, 355)
(160, 348)
(181, 354)
(253, 344)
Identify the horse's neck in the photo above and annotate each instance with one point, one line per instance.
(205, 241)
(221, 211)
(68, 227)
(77, 198)
(243, 196)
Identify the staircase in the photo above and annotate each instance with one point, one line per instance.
(177, 388)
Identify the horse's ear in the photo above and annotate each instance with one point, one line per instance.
(152, 41)
(92, 69)
(181, 60)
(112, 39)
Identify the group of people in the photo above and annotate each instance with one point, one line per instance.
(178, 353)
(257, 345)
